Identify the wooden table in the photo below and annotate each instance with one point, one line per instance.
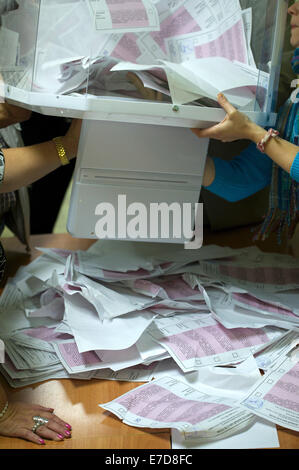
(76, 401)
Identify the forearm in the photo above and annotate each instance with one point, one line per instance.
(209, 173)
(282, 152)
(237, 126)
(25, 165)
(10, 114)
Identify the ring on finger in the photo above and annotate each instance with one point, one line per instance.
(38, 422)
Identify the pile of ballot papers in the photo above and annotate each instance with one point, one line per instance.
(184, 49)
(197, 326)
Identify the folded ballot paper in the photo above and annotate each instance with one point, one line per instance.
(196, 327)
(200, 78)
(188, 51)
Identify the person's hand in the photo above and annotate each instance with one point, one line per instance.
(18, 422)
(146, 93)
(11, 114)
(235, 125)
(71, 138)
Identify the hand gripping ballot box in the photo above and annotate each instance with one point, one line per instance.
(138, 162)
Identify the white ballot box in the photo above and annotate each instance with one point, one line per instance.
(71, 58)
(137, 181)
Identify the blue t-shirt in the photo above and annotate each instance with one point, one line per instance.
(245, 174)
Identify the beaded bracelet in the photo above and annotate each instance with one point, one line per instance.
(4, 410)
(262, 143)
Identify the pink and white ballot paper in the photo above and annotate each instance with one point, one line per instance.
(169, 403)
(128, 16)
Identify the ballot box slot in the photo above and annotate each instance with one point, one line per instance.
(140, 179)
(91, 176)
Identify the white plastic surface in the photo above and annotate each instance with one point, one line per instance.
(148, 164)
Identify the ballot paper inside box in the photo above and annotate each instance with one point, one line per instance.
(57, 58)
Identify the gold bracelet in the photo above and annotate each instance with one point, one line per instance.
(61, 151)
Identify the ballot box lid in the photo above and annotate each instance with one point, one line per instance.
(72, 58)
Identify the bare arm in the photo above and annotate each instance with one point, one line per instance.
(209, 174)
(24, 165)
(282, 152)
(10, 114)
(237, 125)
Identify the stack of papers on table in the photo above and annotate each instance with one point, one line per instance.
(184, 41)
(201, 323)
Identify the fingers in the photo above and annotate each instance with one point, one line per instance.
(62, 425)
(147, 93)
(136, 82)
(30, 436)
(134, 79)
(56, 423)
(214, 131)
(56, 429)
(52, 432)
(21, 422)
(204, 132)
(223, 101)
(43, 408)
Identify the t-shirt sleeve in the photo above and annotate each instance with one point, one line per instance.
(244, 175)
(295, 168)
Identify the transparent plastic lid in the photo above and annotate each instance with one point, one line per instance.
(183, 51)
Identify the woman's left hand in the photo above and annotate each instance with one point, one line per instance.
(18, 422)
(235, 125)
